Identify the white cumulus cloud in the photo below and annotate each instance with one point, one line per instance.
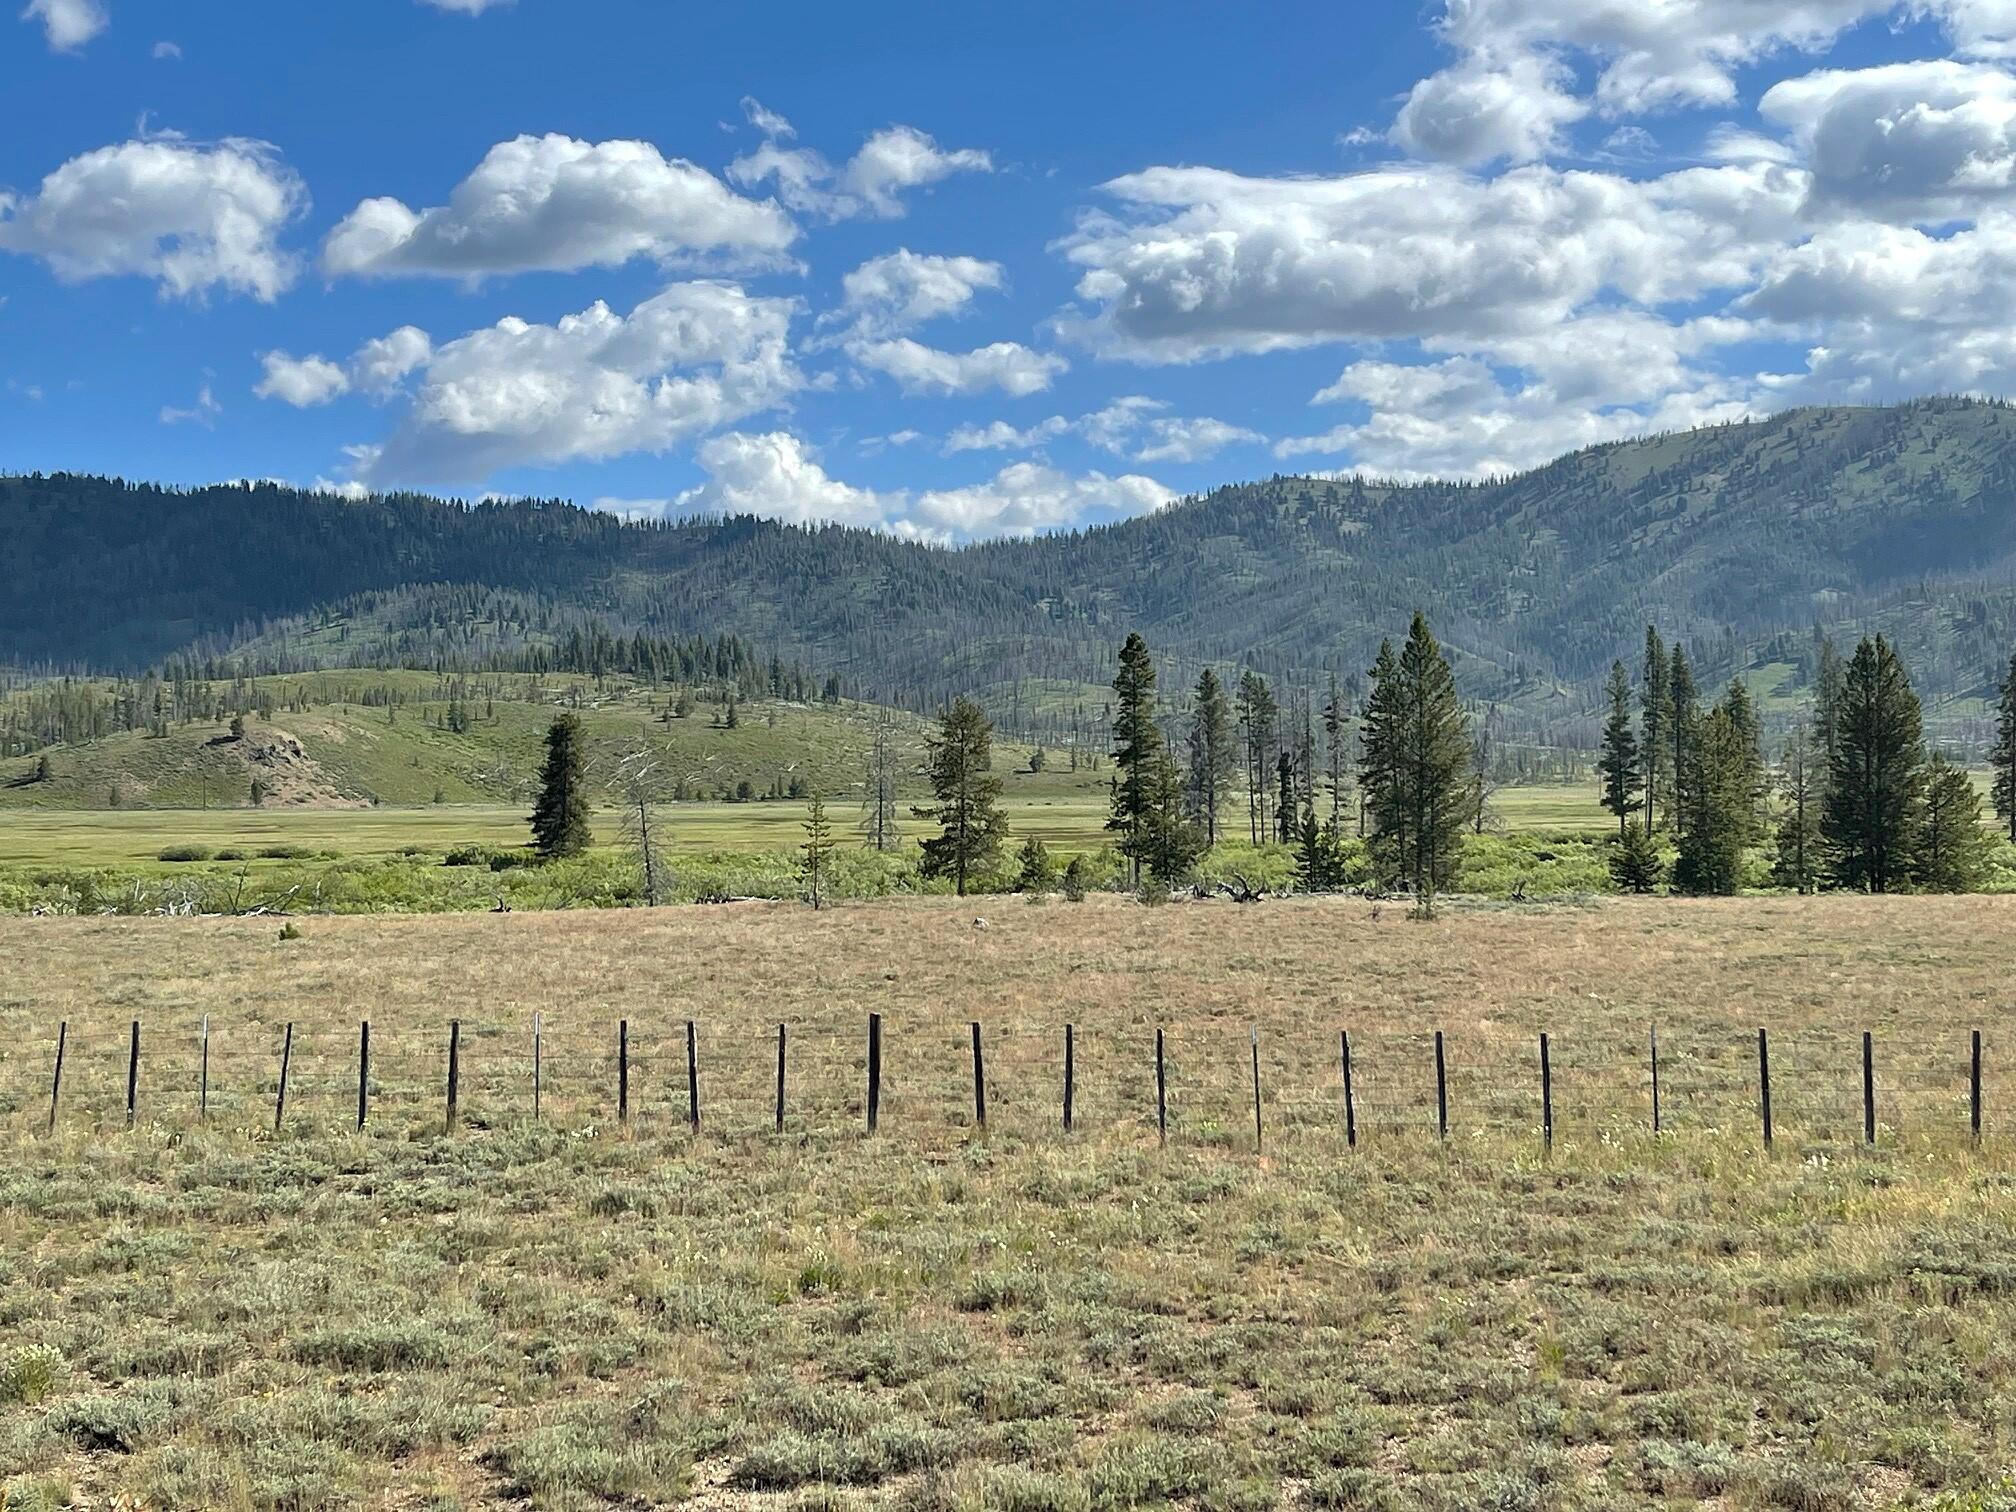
(553, 203)
(68, 24)
(776, 476)
(376, 368)
(903, 289)
(193, 216)
(694, 358)
(1015, 369)
(871, 183)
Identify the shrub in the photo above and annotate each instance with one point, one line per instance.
(286, 853)
(184, 853)
(29, 1374)
(231, 853)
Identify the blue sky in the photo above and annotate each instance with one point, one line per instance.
(966, 271)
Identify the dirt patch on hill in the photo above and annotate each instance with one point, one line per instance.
(287, 775)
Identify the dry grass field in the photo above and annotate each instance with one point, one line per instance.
(571, 1314)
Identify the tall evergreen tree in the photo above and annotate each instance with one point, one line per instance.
(1619, 765)
(1656, 711)
(2002, 757)
(960, 764)
(1683, 734)
(1286, 799)
(1379, 740)
(1170, 841)
(1720, 816)
(1421, 800)
(1950, 851)
(1829, 678)
(878, 798)
(1258, 716)
(1211, 753)
(1875, 780)
(1336, 719)
(560, 816)
(1137, 748)
(818, 852)
(1802, 785)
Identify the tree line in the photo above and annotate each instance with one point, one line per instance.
(1858, 799)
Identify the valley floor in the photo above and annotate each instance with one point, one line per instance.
(572, 1315)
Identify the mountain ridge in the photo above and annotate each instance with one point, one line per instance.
(1732, 537)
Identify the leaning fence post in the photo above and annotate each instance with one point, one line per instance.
(1764, 1081)
(874, 1070)
(1973, 1091)
(454, 1073)
(623, 1073)
(133, 1078)
(1161, 1092)
(1546, 1096)
(1441, 1088)
(1070, 1074)
(56, 1086)
(780, 1078)
(1655, 1078)
(979, 1079)
(1350, 1103)
(1253, 1032)
(693, 1075)
(1868, 1089)
(363, 1071)
(203, 1075)
(286, 1058)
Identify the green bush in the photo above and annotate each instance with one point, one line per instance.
(183, 853)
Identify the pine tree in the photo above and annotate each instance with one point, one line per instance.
(968, 809)
(560, 817)
(1635, 862)
(1876, 778)
(1336, 717)
(1137, 748)
(1420, 803)
(1656, 712)
(1829, 680)
(1379, 741)
(1720, 812)
(878, 799)
(1623, 779)
(1801, 783)
(1171, 843)
(644, 829)
(1257, 718)
(1683, 734)
(818, 852)
(1211, 753)
(1286, 798)
(1950, 851)
(1036, 874)
(2002, 758)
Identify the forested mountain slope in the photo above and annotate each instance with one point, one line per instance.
(1729, 537)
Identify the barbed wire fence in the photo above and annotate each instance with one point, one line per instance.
(1211, 1081)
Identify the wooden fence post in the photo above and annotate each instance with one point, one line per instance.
(538, 1061)
(979, 1079)
(1973, 1089)
(780, 1078)
(1655, 1079)
(874, 1070)
(56, 1086)
(203, 1075)
(286, 1059)
(1350, 1102)
(363, 1071)
(693, 1075)
(454, 1073)
(623, 1073)
(1070, 1074)
(1161, 1092)
(1253, 1033)
(1868, 1088)
(1441, 1088)
(1546, 1097)
(133, 1078)
(1764, 1081)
